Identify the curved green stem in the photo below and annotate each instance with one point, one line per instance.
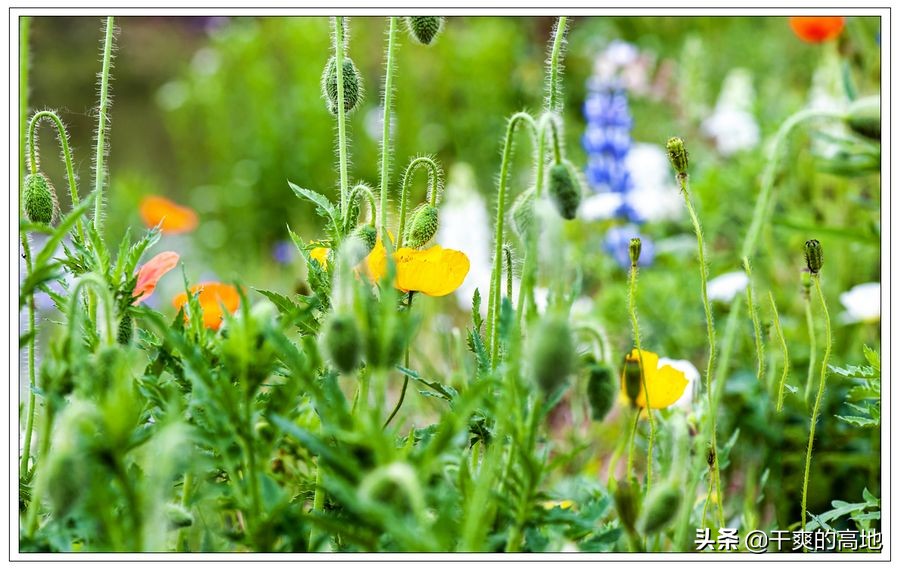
(386, 127)
(711, 338)
(364, 191)
(63, 137)
(95, 282)
(819, 394)
(434, 183)
(784, 352)
(494, 295)
(102, 119)
(632, 312)
(754, 317)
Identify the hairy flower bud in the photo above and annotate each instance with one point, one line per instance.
(813, 254)
(422, 226)
(601, 390)
(178, 516)
(678, 156)
(564, 190)
(627, 503)
(126, 330)
(634, 250)
(864, 117)
(342, 342)
(352, 85)
(424, 29)
(522, 212)
(661, 506)
(367, 235)
(39, 199)
(552, 353)
(631, 377)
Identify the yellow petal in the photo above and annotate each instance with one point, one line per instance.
(649, 361)
(666, 387)
(320, 254)
(435, 271)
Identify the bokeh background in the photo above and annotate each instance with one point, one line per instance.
(218, 113)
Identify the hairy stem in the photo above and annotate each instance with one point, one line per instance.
(399, 404)
(63, 137)
(636, 331)
(784, 351)
(102, 119)
(811, 332)
(818, 402)
(339, 47)
(754, 317)
(434, 184)
(386, 127)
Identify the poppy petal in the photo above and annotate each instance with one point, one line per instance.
(168, 215)
(150, 273)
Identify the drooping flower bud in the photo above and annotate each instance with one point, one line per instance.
(678, 156)
(424, 29)
(864, 117)
(552, 353)
(813, 256)
(601, 390)
(368, 235)
(631, 377)
(342, 342)
(564, 190)
(522, 212)
(661, 506)
(422, 226)
(634, 250)
(352, 85)
(39, 199)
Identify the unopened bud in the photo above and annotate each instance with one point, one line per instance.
(678, 156)
(601, 390)
(39, 199)
(178, 517)
(523, 212)
(552, 353)
(564, 190)
(424, 29)
(661, 506)
(627, 504)
(422, 226)
(352, 85)
(634, 250)
(631, 376)
(813, 254)
(126, 330)
(864, 117)
(341, 342)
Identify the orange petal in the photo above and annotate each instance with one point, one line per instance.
(168, 215)
(213, 297)
(150, 273)
(817, 29)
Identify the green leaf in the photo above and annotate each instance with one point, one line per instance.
(324, 206)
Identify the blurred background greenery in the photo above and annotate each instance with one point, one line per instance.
(219, 113)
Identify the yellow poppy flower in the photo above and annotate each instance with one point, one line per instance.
(665, 385)
(435, 271)
(561, 504)
(320, 254)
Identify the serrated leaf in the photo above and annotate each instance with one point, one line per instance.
(324, 206)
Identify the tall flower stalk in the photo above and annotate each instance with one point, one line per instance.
(102, 119)
(24, 28)
(386, 125)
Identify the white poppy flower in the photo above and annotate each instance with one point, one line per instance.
(862, 303)
(724, 287)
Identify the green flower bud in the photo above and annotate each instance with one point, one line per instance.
(601, 390)
(864, 117)
(661, 506)
(522, 212)
(678, 156)
(126, 330)
(39, 199)
(368, 235)
(634, 250)
(341, 342)
(552, 353)
(631, 377)
(422, 226)
(627, 503)
(813, 256)
(564, 190)
(178, 517)
(424, 29)
(352, 85)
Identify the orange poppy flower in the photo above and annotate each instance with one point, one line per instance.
(435, 271)
(214, 299)
(817, 29)
(168, 215)
(150, 273)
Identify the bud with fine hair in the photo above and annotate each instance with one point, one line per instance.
(126, 330)
(631, 376)
(627, 503)
(552, 353)
(39, 199)
(660, 508)
(422, 226)
(634, 251)
(424, 29)
(678, 156)
(564, 189)
(522, 212)
(352, 85)
(601, 389)
(342, 342)
(813, 253)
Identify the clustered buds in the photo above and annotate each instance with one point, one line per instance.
(601, 389)
(424, 29)
(342, 342)
(39, 199)
(564, 190)
(813, 256)
(422, 226)
(352, 85)
(678, 156)
(634, 251)
(552, 353)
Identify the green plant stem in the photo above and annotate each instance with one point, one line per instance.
(554, 102)
(31, 517)
(318, 503)
(629, 465)
(811, 332)
(341, 114)
(132, 500)
(754, 317)
(182, 543)
(102, 119)
(386, 127)
(405, 377)
(784, 351)
(818, 402)
(635, 328)
(63, 137)
(95, 282)
(494, 295)
(600, 340)
(434, 184)
(711, 338)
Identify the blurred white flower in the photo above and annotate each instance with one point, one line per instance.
(465, 226)
(654, 195)
(862, 303)
(690, 373)
(600, 206)
(724, 287)
(732, 125)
